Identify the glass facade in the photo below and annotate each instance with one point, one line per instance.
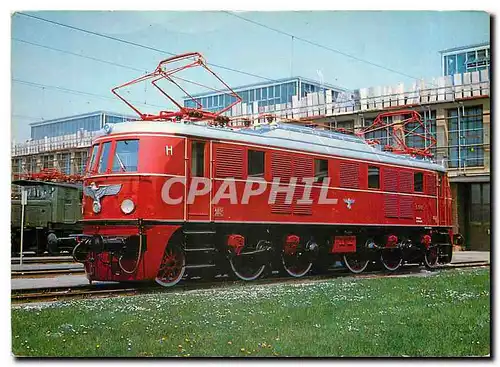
(264, 95)
(412, 128)
(465, 137)
(71, 125)
(415, 141)
(467, 60)
(382, 135)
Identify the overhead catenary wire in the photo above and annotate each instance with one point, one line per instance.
(76, 54)
(295, 37)
(128, 67)
(121, 40)
(73, 91)
(170, 53)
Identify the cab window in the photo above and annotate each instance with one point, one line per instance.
(95, 148)
(255, 162)
(103, 159)
(198, 159)
(320, 170)
(126, 156)
(373, 177)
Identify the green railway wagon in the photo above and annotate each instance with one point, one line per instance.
(51, 214)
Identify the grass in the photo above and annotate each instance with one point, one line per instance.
(444, 314)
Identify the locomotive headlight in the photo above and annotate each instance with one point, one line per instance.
(127, 206)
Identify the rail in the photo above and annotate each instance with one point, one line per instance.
(116, 289)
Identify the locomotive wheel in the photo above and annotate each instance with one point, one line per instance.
(355, 262)
(172, 268)
(296, 264)
(431, 257)
(391, 258)
(246, 267)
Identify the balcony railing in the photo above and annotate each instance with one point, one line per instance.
(81, 139)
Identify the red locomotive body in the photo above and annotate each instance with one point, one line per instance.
(165, 198)
(173, 194)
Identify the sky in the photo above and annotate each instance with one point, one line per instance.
(78, 76)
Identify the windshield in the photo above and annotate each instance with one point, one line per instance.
(92, 158)
(126, 156)
(103, 161)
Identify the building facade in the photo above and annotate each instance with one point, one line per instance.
(465, 59)
(93, 121)
(61, 143)
(262, 96)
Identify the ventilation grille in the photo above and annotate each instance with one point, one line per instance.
(349, 175)
(396, 206)
(303, 168)
(281, 167)
(279, 206)
(390, 180)
(301, 209)
(406, 207)
(430, 185)
(406, 182)
(391, 206)
(229, 162)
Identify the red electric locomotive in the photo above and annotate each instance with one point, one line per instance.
(177, 194)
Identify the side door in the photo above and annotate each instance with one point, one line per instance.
(198, 180)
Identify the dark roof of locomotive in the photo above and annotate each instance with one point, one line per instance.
(285, 136)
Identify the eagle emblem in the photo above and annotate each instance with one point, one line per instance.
(96, 193)
(349, 202)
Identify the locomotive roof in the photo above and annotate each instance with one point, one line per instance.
(286, 136)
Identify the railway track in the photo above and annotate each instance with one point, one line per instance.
(19, 274)
(41, 260)
(117, 289)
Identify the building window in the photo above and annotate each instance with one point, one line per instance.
(382, 135)
(270, 92)
(429, 121)
(198, 159)
(103, 160)
(345, 125)
(83, 161)
(126, 156)
(255, 163)
(418, 182)
(258, 95)
(465, 137)
(480, 203)
(373, 177)
(451, 64)
(320, 170)
(466, 61)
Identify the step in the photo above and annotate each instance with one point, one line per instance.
(254, 252)
(200, 249)
(199, 232)
(200, 266)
